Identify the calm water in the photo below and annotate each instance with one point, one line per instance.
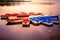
(17, 32)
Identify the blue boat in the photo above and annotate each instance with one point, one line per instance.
(55, 19)
(42, 19)
(34, 20)
(45, 20)
(49, 20)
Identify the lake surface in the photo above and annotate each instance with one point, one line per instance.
(17, 32)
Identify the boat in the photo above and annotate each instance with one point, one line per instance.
(26, 22)
(4, 17)
(23, 14)
(34, 20)
(45, 20)
(48, 20)
(55, 19)
(17, 20)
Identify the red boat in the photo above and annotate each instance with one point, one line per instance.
(26, 22)
(14, 20)
(15, 14)
(23, 14)
(4, 17)
(8, 14)
(32, 14)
